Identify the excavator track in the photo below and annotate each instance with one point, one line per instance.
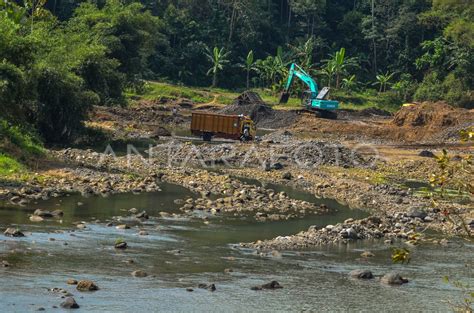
(330, 115)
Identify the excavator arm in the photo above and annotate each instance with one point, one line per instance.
(310, 99)
(296, 71)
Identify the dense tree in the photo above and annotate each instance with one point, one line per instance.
(57, 58)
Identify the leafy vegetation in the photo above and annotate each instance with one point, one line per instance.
(452, 174)
(9, 166)
(57, 59)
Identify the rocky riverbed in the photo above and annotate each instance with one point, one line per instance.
(408, 226)
(91, 173)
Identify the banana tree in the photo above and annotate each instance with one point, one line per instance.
(304, 53)
(349, 83)
(218, 58)
(249, 65)
(339, 64)
(383, 80)
(328, 70)
(272, 68)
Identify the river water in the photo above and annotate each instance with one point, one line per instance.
(183, 252)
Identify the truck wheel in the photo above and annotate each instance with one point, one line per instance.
(207, 136)
(244, 138)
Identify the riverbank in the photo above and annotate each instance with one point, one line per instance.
(360, 173)
(219, 192)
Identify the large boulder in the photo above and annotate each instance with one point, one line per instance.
(42, 213)
(361, 274)
(415, 212)
(139, 273)
(393, 279)
(210, 287)
(271, 285)
(69, 303)
(13, 232)
(426, 154)
(86, 285)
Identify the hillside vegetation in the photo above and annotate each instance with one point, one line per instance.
(58, 59)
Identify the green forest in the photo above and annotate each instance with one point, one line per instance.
(59, 58)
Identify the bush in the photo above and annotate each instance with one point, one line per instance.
(457, 93)
(8, 165)
(453, 90)
(23, 138)
(62, 105)
(101, 76)
(430, 89)
(12, 90)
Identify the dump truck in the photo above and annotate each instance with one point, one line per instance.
(208, 125)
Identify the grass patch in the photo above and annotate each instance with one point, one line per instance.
(16, 140)
(18, 147)
(9, 166)
(348, 100)
(366, 99)
(157, 90)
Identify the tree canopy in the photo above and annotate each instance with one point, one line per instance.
(58, 58)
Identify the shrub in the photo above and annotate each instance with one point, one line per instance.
(457, 93)
(12, 89)
(430, 89)
(62, 105)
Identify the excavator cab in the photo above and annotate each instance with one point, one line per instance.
(306, 98)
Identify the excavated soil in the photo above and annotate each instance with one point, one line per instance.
(436, 121)
(418, 123)
(251, 104)
(425, 123)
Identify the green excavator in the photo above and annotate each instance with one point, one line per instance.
(312, 99)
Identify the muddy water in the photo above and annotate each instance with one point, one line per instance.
(183, 252)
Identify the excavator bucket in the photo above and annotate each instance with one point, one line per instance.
(284, 97)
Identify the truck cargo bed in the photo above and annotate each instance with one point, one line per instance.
(219, 125)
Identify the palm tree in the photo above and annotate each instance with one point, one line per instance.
(249, 65)
(340, 64)
(218, 58)
(383, 80)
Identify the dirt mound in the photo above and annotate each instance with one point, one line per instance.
(428, 115)
(248, 97)
(251, 104)
(433, 121)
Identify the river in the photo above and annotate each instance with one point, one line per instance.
(183, 252)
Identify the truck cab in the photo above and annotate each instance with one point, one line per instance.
(248, 129)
